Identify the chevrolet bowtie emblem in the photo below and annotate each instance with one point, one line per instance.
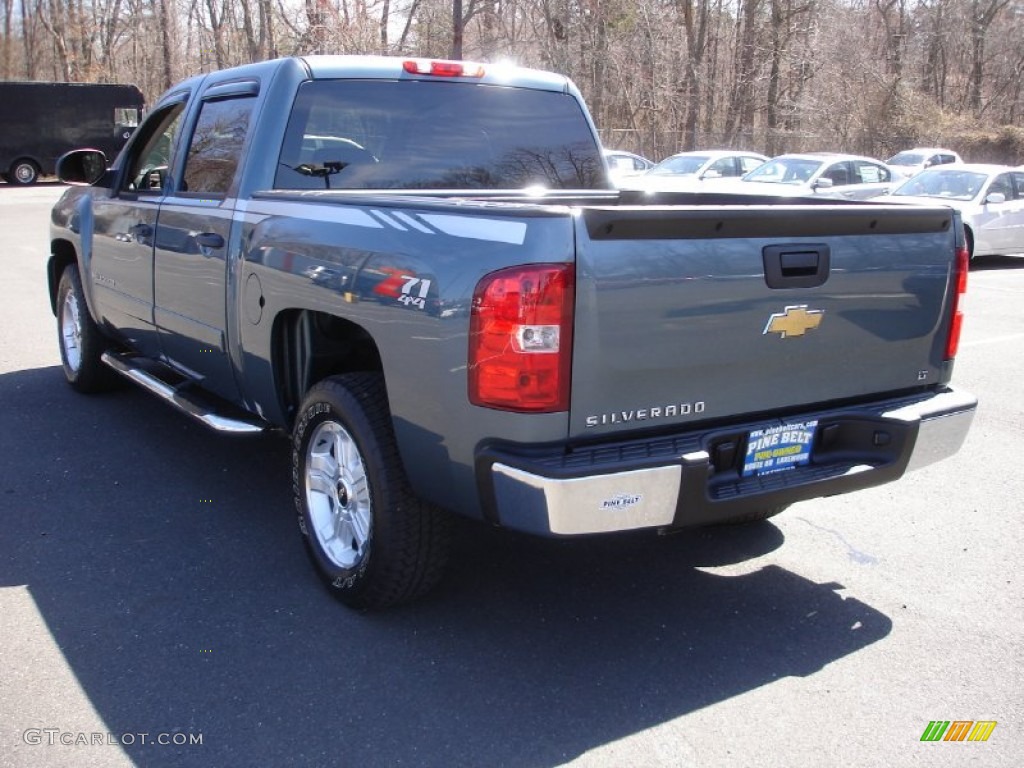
(794, 321)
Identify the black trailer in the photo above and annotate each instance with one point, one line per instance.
(41, 121)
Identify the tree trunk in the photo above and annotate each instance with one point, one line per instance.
(457, 25)
(695, 22)
(774, 77)
(165, 40)
(217, 28)
(5, 72)
(740, 120)
(983, 14)
(251, 43)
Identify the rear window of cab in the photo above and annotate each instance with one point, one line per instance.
(410, 134)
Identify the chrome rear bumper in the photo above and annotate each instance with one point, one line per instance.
(680, 488)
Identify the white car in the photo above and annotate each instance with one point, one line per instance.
(911, 161)
(685, 170)
(818, 173)
(622, 165)
(990, 199)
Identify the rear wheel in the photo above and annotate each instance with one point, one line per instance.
(81, 342)
(371, 541)
(23, 172)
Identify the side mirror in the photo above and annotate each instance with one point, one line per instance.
(712, 175)
(81, 167)
(823, 183)
(995, 197)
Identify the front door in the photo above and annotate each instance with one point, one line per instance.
(124, 224)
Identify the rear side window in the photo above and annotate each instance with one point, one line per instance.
(747, 164)
(1018, 182)
(1002, 185)
(869, 173)
(382, 134)
(216, 146)
(726, 166)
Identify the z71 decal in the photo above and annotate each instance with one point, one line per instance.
(408, 290)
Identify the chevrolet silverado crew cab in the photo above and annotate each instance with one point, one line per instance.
(419, 271)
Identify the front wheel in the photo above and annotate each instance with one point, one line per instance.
(371, 541)
(23, 172)
(81, 342)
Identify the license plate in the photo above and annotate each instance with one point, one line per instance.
(777, 449)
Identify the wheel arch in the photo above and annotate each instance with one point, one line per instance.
(307, 346)
(62, 254)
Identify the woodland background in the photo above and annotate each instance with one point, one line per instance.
(660, 76)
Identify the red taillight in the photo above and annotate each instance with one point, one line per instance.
(520, 339)
(960, 281)
(443, 68)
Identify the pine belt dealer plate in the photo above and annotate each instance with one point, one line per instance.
(777, 449)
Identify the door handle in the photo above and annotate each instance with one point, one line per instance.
(796, 266)
(209, 240)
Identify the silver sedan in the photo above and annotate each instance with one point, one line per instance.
(826, 174)
(685, 170)
(990, 199)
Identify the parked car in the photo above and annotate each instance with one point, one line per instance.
(624, 164)
(912, 161)
(990, 199)
(819, 173)
(687, 169)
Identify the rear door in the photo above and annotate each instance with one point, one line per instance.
(684, 315)
(1002, 219)
(1015, 238)
(193, 238)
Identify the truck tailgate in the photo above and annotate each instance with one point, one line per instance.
(685, 314)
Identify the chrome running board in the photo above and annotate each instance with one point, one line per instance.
(191, 403)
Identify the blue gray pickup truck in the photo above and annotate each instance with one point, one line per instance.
(419, 271)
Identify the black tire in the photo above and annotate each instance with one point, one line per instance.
(969, 238)
(756, 516)
(80, 340)
(23, 172)
(371, 541)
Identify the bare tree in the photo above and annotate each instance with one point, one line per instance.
(983, 14)
(740, 120)
(695, 24)
(5, 62)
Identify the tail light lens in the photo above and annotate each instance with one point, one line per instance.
(443, 68)
(520, 339)
(960, 281)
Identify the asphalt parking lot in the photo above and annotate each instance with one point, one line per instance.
(156, 607)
